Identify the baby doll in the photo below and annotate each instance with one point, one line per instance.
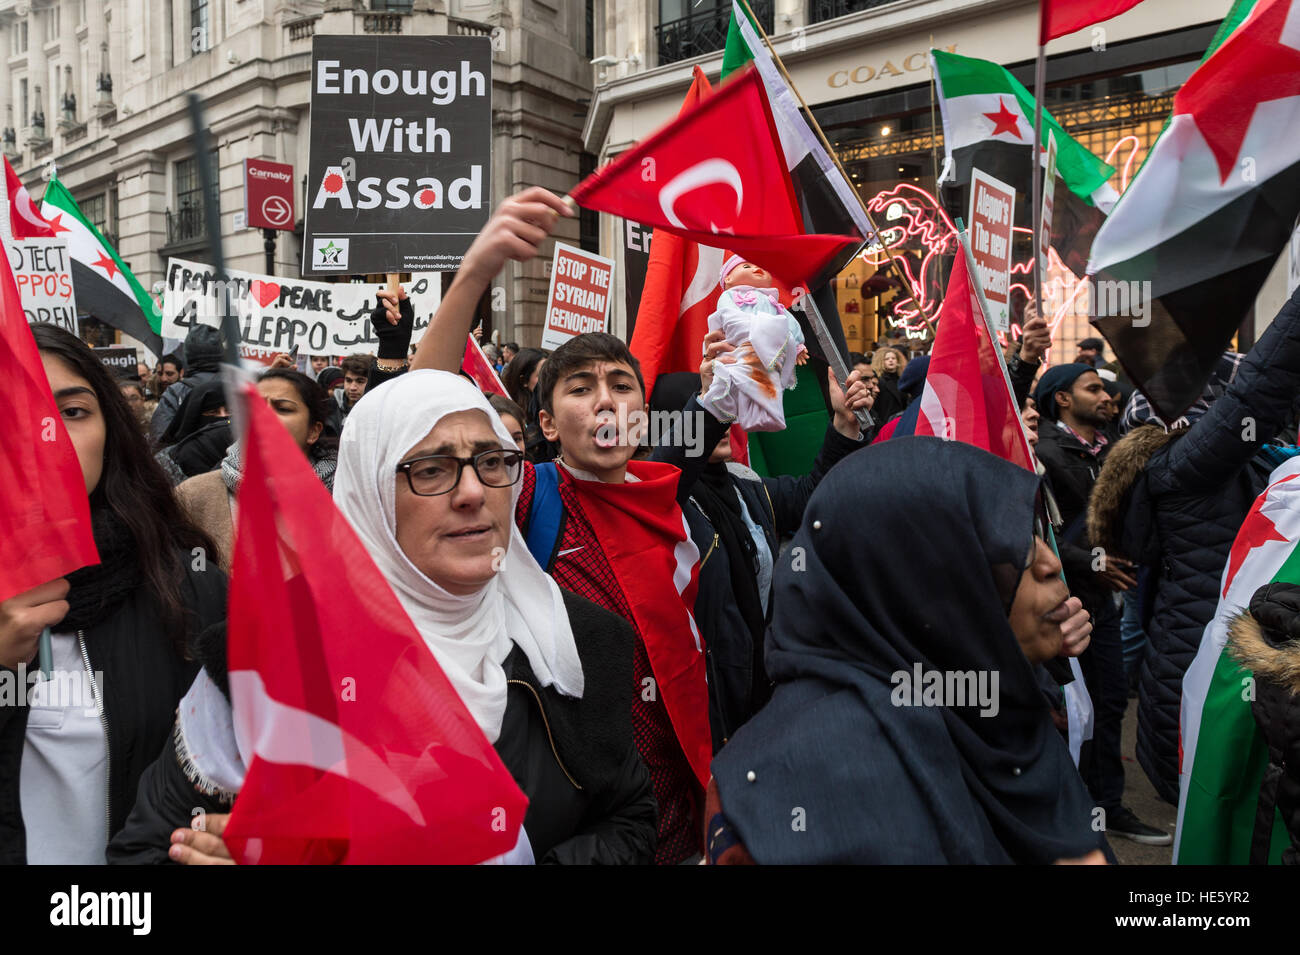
(769, 344)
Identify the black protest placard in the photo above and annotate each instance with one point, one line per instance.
(120, 360)
(399, 173)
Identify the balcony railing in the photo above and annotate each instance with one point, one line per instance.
(185, 225)
(383, 22)
(819, 10)
(703, 31)
(303, 29)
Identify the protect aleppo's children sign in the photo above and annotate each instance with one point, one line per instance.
(578, 302)
(399, 173)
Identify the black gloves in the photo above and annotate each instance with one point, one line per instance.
(1276, 607)
(394, 340)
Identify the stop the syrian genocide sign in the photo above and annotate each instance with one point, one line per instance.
(401, 148)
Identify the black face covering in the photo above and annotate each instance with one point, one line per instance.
(925, 783)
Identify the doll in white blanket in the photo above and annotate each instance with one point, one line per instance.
(769, 344)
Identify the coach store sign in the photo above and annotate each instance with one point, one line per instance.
(887, 69)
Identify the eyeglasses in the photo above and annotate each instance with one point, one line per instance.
(437, 474)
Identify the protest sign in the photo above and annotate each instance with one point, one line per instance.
(275, 313)
(120, 360)
(399, 172)
(636, 258)
(43, 273)
(268, 194)
(578, 302)
(1049, 197)
(992, 213)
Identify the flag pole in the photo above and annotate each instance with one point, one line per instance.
(963, 237)
(1036, 189)
(830, 151)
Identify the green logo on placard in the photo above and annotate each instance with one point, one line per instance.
(330, 253)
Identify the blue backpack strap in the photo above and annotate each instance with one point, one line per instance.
(545, 515)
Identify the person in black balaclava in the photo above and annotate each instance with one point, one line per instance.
(856, 761)
(202, 363)
(737, 520)
(198, 438)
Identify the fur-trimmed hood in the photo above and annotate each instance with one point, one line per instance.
(1278, 665)
(1118, 474)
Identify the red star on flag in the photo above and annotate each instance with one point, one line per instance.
(57, 224)
(1252, 67)
(107, 264)
(1005, 121)
(1256, 531)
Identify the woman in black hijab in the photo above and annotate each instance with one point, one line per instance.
(199, 435)
(843, 765)
(737, 520)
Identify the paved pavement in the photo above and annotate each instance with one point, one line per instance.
(1140, 797)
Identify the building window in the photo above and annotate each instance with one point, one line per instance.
(391, 6)
(187, 222)
(24, 115)
(591, 29)
(99, 210)
(688, 29)
(18, 43)
(819, 10)
(200, 38)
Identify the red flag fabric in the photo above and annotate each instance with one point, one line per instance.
(967, 396)
(44, 508)
(680, 293)
(1062, 17)
(24, 221)
(644, 534)
(717, 175)
(364, 753)
(476, 365)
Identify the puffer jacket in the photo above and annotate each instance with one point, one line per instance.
(1174, 503)
(1273, 658)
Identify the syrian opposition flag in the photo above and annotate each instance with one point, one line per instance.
(1062, 17)
(24, 221)
(363, 751)
(1199, 228)
(967, 396)
(104, 285)
(44, 509)
(645, 536)
(717, 175)
(988, 123)
(1222, 753)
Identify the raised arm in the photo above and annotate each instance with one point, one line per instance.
(516, 231)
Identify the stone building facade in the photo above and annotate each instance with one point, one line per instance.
(100, 88)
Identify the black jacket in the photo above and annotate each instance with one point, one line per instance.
(1073, 471)
(589, 796)
(738, 683)
(1178, 511)
(1264, 643)
(143, 679)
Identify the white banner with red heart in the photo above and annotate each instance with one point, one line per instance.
(276, 313)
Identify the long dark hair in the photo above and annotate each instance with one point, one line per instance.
(317, 401)
(516, 374)
(134, 488)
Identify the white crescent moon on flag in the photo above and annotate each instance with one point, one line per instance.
(701, 174)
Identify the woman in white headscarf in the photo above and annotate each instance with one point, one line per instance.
(428, 477)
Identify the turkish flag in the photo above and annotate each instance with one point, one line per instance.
(44, 508)
(363, 751)
(681, 292)
(1062, 17)
(644, 534)
(967, 396)
(717, 175)
(24, 221)
(476, 365)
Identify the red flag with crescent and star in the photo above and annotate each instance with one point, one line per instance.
(717, 175)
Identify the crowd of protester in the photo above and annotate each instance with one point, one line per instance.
(814, 592)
